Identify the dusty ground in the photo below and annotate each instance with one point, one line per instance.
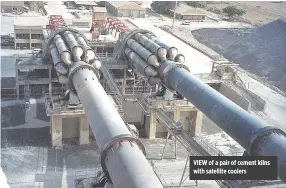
(257, 12)
(29, 161)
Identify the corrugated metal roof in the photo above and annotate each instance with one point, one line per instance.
(12, 3)
(99, 9)
(187, 10)
(89, 3)
(31, 21)
(126, 5)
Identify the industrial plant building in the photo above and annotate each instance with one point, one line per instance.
(28, 32)
(13, 6)
(88, 5)
(124, 83)
(99, 13)
(183, 12)
(125, 9)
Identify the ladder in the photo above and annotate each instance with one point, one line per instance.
(27, 91)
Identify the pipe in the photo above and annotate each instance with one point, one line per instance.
(139, 64)
(252, 134)
(45, 34)
(125, 162)
(88, 52)
(77, 51)
(96, 64)
(152, 46)
(63, 79)
(58, 65)
(180, 58)
(153, 80)
(172, 51)
(63, 50)
(143, 52)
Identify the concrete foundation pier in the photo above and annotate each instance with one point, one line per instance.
(56, 131)
(84, 131)
(191, 119)
(67, 127)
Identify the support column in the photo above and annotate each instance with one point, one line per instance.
(151, 129)
(50, 84)
(196, 122)
(84, 131)
(124, 82)
(177, 115)
(30, 39)
(57, 131)
(50, 74)
(17, 83)
(199, 121)
(50, 89)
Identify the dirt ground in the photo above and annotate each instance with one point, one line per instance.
(257, 12)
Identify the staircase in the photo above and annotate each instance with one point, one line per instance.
(114, 91)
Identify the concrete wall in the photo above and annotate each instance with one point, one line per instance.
(160, 128)
(257, 103)
(71, 127)
(231, 94)
(132, 112)
(31, 30)
(193, 17)
(133, 13)
(99, 16)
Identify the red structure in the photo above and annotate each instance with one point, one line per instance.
(57, 21)
(113, 23)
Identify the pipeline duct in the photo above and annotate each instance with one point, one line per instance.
(120, 151)
(88, 52)
(142, 52)
(152, 46)
(77, 51)
(63, 50)
(172, 52)
(110, 131)
(140, 65)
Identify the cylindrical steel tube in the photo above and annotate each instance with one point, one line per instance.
(172, 51)
(152, 46)
(45, 34)
(180, 58)
(126, 164)
(63, 79)
(143, 53)
(140, 65)
(77, 51)
(63, 50)
(96, 63)
(88, 52)
(58, 65)
(236, 122)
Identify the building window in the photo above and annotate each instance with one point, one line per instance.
(22, 36)
(36, 45)
(14, 9)
(36, 36)
(22, 45)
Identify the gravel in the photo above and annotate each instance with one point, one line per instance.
(259, 50)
